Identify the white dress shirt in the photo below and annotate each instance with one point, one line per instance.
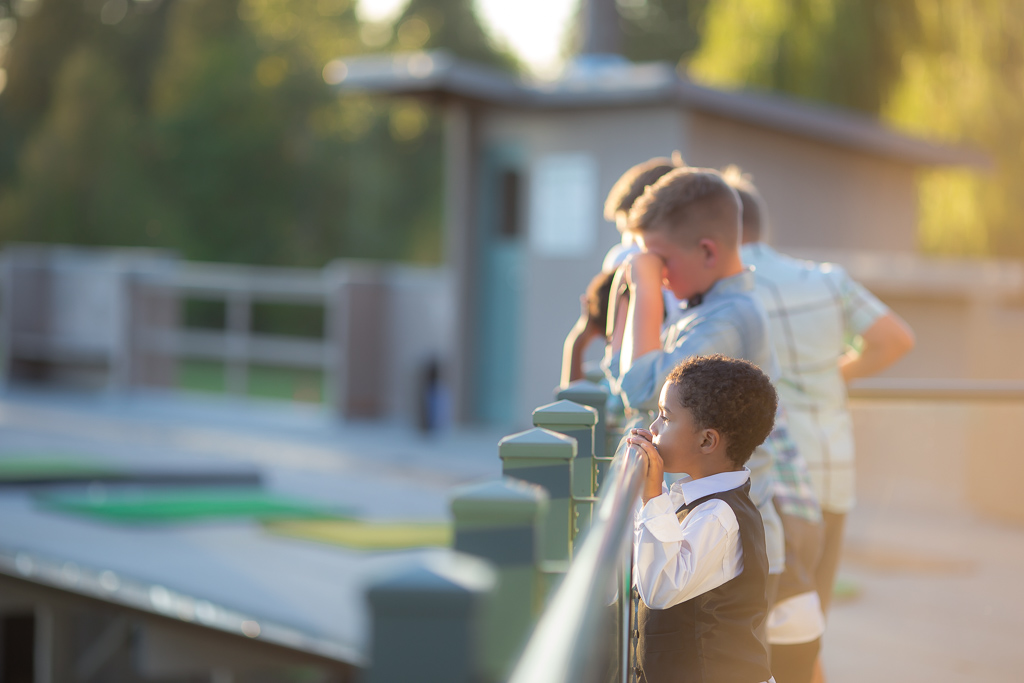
(676, 561)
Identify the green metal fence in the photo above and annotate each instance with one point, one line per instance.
(537, 588)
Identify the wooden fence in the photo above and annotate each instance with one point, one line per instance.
(114, 318)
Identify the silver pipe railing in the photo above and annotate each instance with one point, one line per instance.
(936, 389)
(562, 646)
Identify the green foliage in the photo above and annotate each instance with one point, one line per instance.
(965, 81)
(661, 30)
(945, 70)
(844, 52)
(451, 24)
(206, 126)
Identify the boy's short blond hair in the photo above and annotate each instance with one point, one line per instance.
(755, 213)
(689, 204)
(632, 184)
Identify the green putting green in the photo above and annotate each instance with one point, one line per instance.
(362, 535)
(845, 590)
(183, 505)
(46, 467)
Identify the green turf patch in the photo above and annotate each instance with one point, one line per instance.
(51, 468)
(263, 381)
(362, 535)
(184, 505)
(845, 590)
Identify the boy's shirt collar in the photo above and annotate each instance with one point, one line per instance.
(695, 489)
(757, 249)
(734, 284)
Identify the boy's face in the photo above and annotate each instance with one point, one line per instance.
(688, 269)
(676, 434)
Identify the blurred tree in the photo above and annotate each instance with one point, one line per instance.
(844, 52)
(965, 81)
(947, 70)
(80, 177)
(452, 25)
(207, 126)
(661, 30)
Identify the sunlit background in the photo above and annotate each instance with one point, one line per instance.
(535, 30)
(947, 72)
(256, 324)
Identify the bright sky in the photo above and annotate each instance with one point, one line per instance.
(534, 29)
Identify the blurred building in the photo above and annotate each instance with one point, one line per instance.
(530, 163)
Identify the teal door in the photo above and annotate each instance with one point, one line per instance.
(500, 279)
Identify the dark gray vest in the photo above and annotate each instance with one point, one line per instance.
(712, 638)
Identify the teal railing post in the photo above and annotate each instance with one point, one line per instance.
(594, 395)
(426, 621)
(543, 457)
(500, 521)
(576, 421)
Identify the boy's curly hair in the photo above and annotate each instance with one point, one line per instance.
(731, 396)
(598, 293)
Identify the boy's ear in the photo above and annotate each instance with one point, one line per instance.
(709, 248)
(709, 440)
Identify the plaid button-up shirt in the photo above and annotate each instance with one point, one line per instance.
(814, 311)
(794, 493)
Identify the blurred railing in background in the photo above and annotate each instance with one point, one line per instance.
(117, 319)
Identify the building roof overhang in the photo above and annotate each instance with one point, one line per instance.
(614, 83)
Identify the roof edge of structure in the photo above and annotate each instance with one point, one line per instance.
(618, 83)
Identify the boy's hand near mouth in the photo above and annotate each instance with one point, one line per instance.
(654, 467)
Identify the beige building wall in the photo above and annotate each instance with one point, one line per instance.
(944, 340)
(961, 337)
(997, 350)
(818, 195)
(939, 455)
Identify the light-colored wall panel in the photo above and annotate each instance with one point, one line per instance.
(818, 195)
(940, 455)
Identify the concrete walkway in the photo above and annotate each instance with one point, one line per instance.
(940, 599)
(376, 472)
(941, 594)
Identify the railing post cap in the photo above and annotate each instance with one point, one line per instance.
(564, 412)
(499, 501)
(449, 582)
(537, 443)
(582, 389)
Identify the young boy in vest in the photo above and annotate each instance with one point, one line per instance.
(700, 563)
(688, 227)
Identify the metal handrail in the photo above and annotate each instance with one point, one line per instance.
(561, 646)
(937, 389)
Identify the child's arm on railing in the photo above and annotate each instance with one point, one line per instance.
(643, 274)
(582, 333)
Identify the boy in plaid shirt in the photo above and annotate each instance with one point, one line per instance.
(814, 309)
